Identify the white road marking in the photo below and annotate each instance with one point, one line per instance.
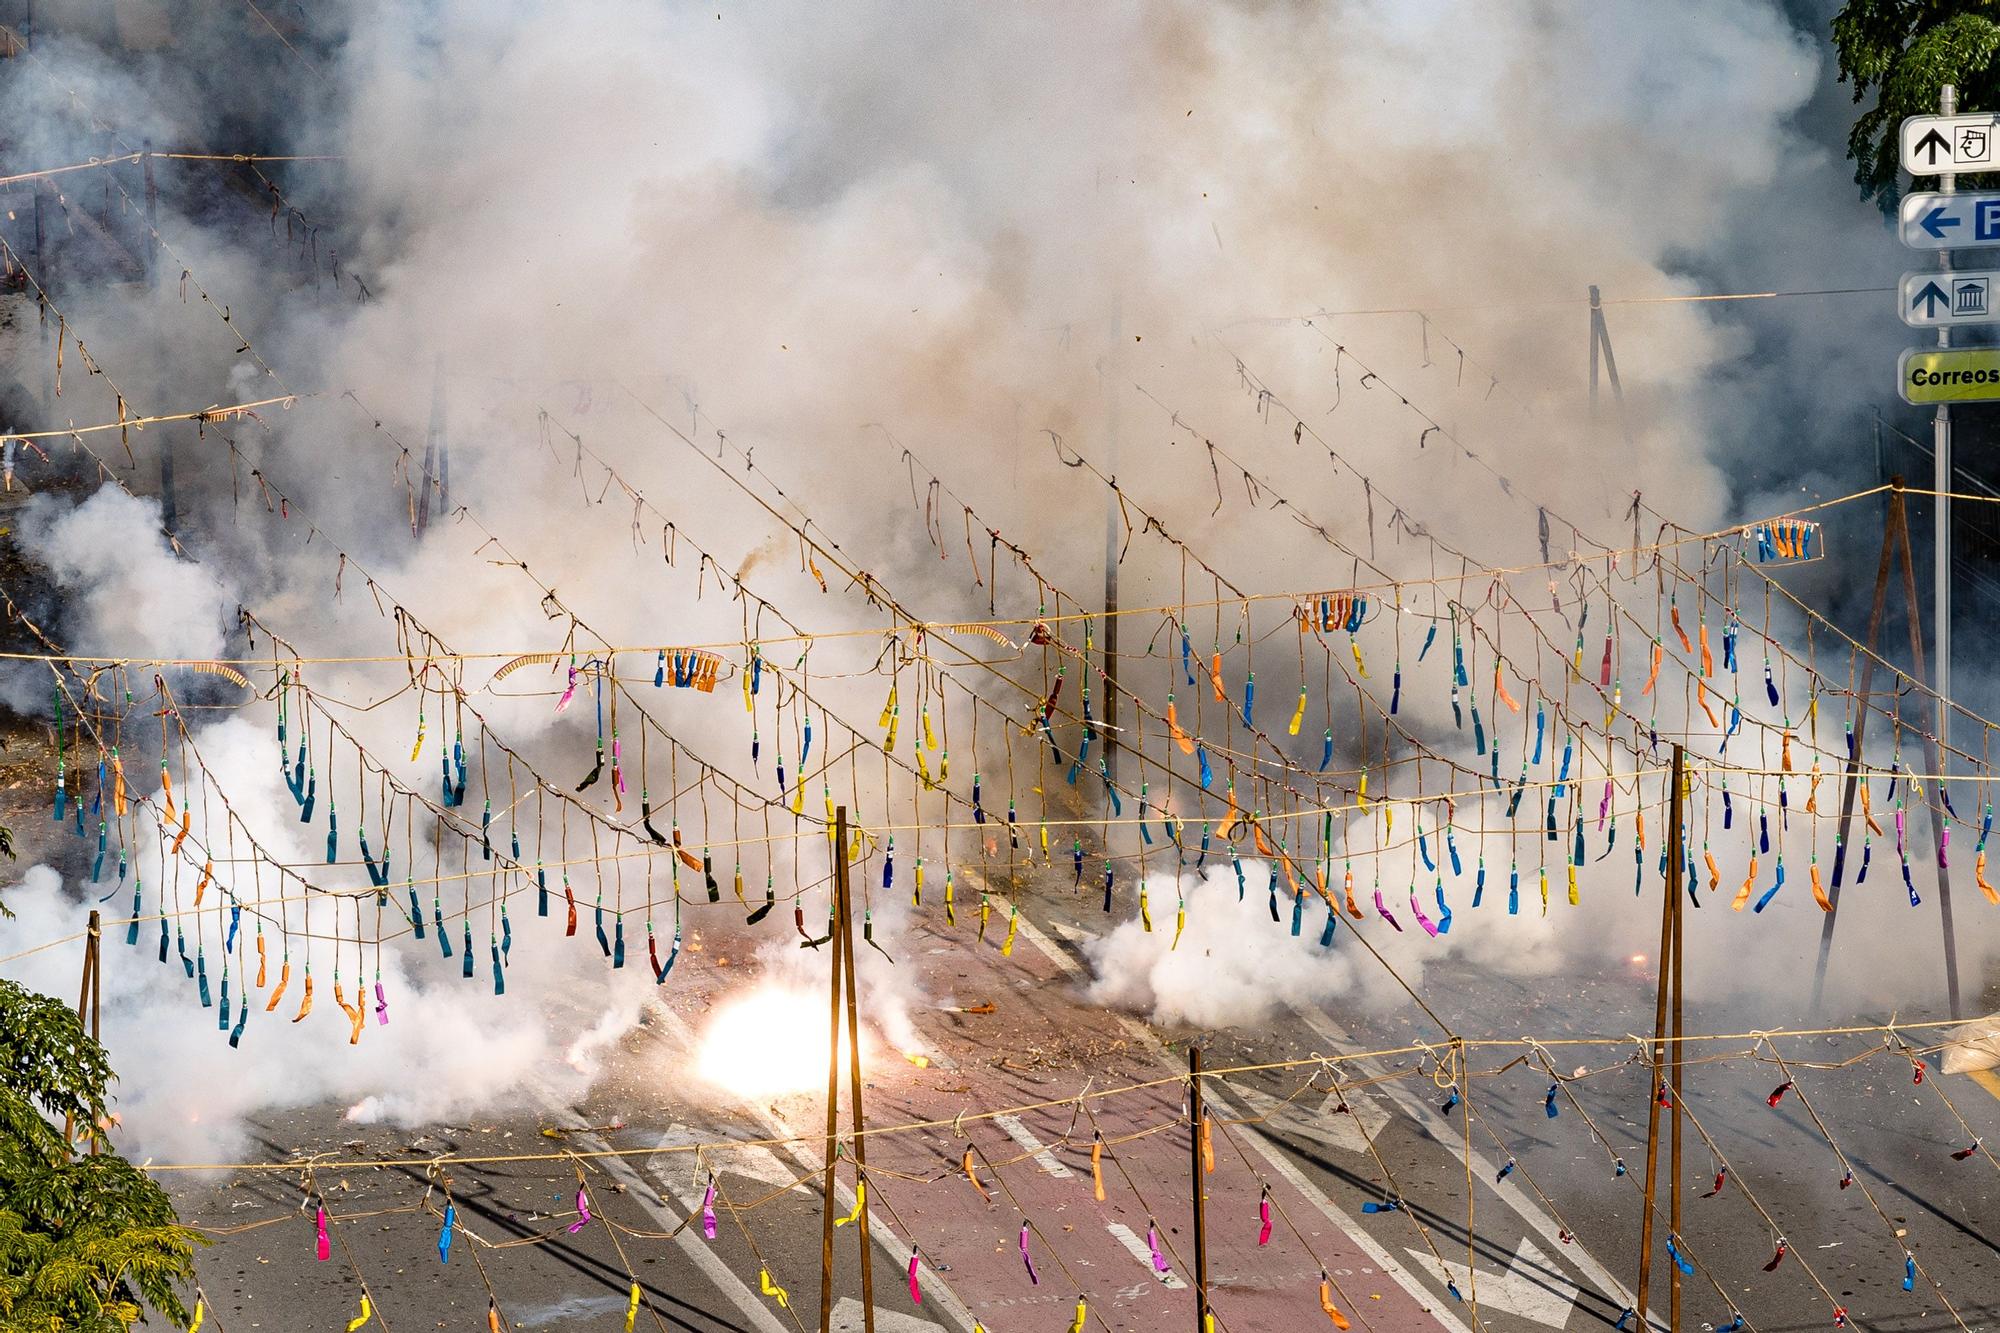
(848, 1317)
(1275, 1159)
(1348, 1130)
(563, 1313)
(1125, 1236)
(939, 1299)
(759, 1164)
(1545, 1296)
(752, 1306)
(1033, 1146)
(1484, 1169)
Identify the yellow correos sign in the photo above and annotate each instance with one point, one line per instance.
(1949, 375)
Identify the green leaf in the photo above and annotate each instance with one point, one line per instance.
(87, 1241)
(1905, 53)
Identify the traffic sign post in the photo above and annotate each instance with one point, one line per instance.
(1937, 221)
(1933, 300)
(1947, 144)
(1928, 377)
(1944, 145)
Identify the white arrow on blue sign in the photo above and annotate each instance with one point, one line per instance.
(1927, 300)
(1951, 221)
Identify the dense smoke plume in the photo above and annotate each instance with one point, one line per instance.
(821, 237)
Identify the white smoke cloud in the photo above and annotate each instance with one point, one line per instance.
(185, 1094)
(819, 233)
(1232, 964)
(123, 589)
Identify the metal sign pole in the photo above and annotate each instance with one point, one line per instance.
(1938, 146)
(1941, 470)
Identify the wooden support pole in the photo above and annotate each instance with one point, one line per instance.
(1889, 529)
(844, 941)
(89, 967)
(1895, 542)
(1600, 344)
(41, 259)
(1596, 322)
(1197, 1118)
(96, 992)
(87, 1005)
(1934, 756)
(1113, 381)
(832, 1083)
(1653, 1117)
(1669, 963)
(151, 250)
(1677, 894)
(45, 278)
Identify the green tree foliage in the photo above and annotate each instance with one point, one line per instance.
(1905, 51)
(84, 1239)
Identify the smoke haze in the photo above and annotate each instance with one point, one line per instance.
(822, 236)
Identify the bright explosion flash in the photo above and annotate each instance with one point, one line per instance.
(770, 1042)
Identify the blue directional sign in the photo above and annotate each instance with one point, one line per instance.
(1951, 221)
(1927, 300)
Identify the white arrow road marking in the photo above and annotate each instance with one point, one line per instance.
(1532, 1287)
(563, 1313)
(939, 1299)
(1349, 1130)
(1279, 1163)
(1125, 1236)
(1033, 1146)
(848, 1318)
(752, 1306)
(1483, 1168)
(686, 1175)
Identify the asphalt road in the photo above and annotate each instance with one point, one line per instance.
(1553, 1245)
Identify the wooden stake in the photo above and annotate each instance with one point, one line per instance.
(1860, 734)
(1677, 894)
(1669, 987)
(152, 250)
(1195, 1117)
(1895, 541)
(88, 1004)
(1600, 344)
(832, 1081)
(1934, 757)
(844, 942)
